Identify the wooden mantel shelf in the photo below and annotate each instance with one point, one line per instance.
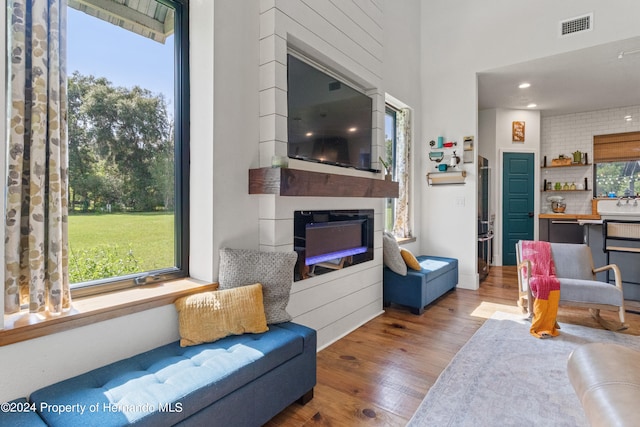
(296, 182)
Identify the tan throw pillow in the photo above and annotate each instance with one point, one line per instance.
(410, 259)
(209, 316)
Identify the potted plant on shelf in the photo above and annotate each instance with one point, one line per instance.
(387, 168)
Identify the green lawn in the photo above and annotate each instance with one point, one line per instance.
(149, 236)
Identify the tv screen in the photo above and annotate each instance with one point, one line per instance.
(328, 120)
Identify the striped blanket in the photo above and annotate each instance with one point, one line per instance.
(545, 287)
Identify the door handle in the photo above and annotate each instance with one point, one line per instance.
(530, 214)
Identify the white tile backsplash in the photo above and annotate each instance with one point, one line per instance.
(568, 133)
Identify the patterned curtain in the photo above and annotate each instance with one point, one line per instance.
(36, 217)
(402, 223)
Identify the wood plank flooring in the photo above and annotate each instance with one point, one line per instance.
(379, 374)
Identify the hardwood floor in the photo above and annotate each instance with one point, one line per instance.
(379, 374)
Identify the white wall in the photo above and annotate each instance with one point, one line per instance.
(401, 79)
(568, 133)
(462, 38)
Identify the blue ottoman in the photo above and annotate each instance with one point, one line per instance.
(420, 288)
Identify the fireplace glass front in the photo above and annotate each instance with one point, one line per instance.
(331, 240)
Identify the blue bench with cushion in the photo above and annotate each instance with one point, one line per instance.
(418, 288)
(240, 380)
(239, 362)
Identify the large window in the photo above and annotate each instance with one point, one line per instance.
(617, 165)
(128, 142)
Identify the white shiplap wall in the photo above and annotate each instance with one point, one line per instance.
(346, 37)
(568, 133)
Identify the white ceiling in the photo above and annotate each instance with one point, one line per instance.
(583, 80)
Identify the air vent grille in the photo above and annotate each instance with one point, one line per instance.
(576, 25)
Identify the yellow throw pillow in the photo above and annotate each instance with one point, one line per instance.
(409, 259)
(209, 316)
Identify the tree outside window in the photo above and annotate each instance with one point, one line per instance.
(618, 179)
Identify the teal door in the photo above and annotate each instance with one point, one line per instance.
(517, 202)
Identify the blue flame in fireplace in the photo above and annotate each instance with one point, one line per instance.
(335, 255)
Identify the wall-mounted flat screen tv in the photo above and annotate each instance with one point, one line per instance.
(328, 120)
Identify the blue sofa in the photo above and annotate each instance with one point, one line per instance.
(241, 380)
(437, 276)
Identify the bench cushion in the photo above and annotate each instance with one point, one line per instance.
(171, 382)
(435, 266)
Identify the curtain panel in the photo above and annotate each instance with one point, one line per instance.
(402, 222)
(36, 261)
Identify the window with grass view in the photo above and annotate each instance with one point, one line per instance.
(128, 141)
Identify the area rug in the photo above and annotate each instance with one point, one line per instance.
(504, 376)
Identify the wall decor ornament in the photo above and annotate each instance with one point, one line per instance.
(517, 131)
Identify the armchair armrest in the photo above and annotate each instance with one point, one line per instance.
(525, 264)
(616, 273)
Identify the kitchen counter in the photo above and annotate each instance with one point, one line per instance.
(568, 216)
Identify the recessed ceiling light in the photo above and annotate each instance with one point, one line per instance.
(524, 85)
(309, 134)
(628, 118)
(353, 129)
(532, 105)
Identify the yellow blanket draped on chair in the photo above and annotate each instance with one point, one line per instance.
(545, 287)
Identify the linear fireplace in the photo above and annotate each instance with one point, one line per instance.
(331, 240)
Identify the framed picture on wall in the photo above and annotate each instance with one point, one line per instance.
(517, 131)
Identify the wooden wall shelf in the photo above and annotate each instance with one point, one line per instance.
(296, 182)
(446, 178)
(571, 165)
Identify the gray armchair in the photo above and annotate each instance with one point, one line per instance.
(578, 284)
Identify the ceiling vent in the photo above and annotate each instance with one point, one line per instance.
(576, 25)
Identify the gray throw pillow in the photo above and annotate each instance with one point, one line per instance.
(274, 270)
(391, 254)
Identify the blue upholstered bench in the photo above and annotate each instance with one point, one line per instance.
(20, 413)
(437, 276)
(240, 380)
